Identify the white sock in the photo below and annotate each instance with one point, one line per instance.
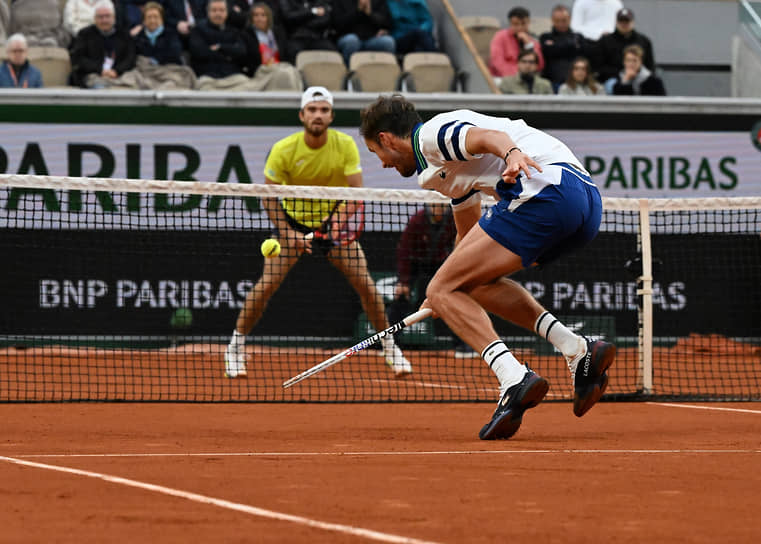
(508, 369)
(238, 340)
(570, 344)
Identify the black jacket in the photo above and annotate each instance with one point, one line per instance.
(89, 49)
(301, 24)
(348, 19)
(652, 86)
(166, 50)
(559, 49)
(175, 11)
(227, 60)
(611, 48)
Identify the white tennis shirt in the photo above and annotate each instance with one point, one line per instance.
(445, 165)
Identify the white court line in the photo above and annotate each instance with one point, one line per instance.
(373, 453)
(695, 407)
(203, 499)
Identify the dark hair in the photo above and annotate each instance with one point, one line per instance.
(560, 7)
(519, 12)
(589, 81)
(394, 114)
(527, 52)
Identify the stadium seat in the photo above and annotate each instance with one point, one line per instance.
(481, 30)
(53, 62)
(322, 67)
(374, 71)
(430, 73)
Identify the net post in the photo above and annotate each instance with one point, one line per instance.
(645, 291)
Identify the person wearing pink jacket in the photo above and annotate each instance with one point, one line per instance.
(508, 43)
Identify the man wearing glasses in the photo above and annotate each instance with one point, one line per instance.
(16, 70)
(527, 80)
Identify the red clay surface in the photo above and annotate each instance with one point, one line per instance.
(637, 472)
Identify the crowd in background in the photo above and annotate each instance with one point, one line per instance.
(591, 49)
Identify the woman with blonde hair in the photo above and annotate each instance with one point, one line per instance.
(265, 42)
(580, 81)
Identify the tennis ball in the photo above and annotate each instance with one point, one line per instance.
(270, 248)
(182, 318)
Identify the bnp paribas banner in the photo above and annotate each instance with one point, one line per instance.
(625, 163)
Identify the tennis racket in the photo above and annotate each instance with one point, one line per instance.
(344, 224)
(367, 342)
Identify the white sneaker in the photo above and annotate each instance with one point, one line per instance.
(398, 362)
(235, 362)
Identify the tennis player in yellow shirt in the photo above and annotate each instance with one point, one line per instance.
(322, 156)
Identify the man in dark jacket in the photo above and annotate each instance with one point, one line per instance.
(216, 49)
(183, 15)
(362, 25)
(560, 46)
(308, 24)
(101, 49)
(612, 46)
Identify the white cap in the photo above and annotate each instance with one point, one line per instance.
(316, 94)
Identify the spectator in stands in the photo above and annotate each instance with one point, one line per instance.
(612, 46)
(308, 24)
(411, 26)
(101, 51)
(216, 48)
(239, 11)
(40, 21)
(560, 46)
(595, 18)
(182, 15)
(362, 25)
(77, 14)
(508, 43)
(15, 70)
(264, 39)
(580, 81)
(527, 80)
(636, 78)
(158, 43)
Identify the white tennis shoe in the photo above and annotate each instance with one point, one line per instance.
(398, 362)
(235, 362)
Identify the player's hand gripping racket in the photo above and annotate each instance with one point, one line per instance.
(343, 225)
(367, 342)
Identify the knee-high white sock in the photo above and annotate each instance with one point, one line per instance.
(508, 369)
(238, 340)
(565, 340)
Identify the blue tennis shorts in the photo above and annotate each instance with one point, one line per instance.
(555, 212)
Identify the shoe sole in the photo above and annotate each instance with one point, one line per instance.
(583, 402)
(508, 423)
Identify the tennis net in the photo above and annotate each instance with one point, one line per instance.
(129, 290)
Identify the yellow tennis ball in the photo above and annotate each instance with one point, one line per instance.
(270, 248)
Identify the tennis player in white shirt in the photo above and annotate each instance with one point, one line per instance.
(547, 206)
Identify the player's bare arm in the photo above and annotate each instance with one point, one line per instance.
(479, 141)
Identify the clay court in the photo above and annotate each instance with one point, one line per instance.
(626, 472)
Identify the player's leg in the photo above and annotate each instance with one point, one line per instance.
(351, 262)
(479, 260)
(273, 274)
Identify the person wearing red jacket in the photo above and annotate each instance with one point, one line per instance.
(508, 43)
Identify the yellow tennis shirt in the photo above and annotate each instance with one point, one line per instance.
(292, 162)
